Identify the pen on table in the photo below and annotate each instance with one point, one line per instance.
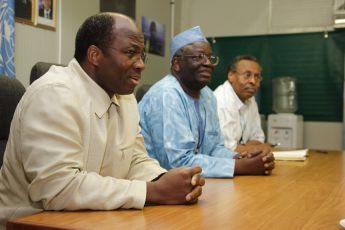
(275, 145)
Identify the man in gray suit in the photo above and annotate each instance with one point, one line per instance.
(46, 11)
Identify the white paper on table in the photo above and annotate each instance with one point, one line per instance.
(291, 155)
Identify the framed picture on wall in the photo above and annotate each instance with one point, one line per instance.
(126, 7)
(25, 11)
(154, 33)
(45, 12)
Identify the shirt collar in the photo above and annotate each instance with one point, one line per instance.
(237, 101)
(100, 99)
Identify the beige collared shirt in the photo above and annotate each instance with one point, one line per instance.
(72, 147)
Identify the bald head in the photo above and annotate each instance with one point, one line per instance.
(123, 22)
(101, 30)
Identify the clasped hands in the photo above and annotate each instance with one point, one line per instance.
(255, 162)
(177, 186)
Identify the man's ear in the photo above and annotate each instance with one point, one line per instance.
(231, 76)
(176, 65)
(94, 55)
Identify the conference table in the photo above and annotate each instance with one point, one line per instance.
(298, 195)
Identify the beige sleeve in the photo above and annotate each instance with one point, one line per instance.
(142, 166)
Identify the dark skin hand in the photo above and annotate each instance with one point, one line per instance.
(252, 146)
(177, 186)
(254, 163)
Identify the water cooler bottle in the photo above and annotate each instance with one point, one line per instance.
(285, 127)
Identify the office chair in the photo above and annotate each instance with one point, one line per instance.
(11, 91)
(39, 69)
(141, 91)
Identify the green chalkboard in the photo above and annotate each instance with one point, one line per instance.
(315, 60)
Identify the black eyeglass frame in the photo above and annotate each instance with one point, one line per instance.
(214, 60)
(132, 55)
(247, 75)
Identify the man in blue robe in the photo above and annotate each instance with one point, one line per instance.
(179, 118)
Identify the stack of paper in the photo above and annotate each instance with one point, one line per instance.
(291, 155)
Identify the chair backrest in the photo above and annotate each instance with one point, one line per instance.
(39, 69)
(141, 91)
(11, 91)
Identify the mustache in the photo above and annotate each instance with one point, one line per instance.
(251, 87)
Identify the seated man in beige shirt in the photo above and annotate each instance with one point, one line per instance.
(75, 140)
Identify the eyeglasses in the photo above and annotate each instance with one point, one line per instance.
(203, 58)
(133, 55)
(247, 75)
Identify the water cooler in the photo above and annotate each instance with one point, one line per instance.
(285, 127)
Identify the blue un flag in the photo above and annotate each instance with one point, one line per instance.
(7, 38)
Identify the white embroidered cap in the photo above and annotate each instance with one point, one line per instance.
(186, 37)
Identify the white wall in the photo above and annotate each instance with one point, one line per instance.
(74, 12)
(32, 45)
(226, 17)
(248, 17)
(323, 135)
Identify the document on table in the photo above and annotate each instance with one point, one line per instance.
(291, 155)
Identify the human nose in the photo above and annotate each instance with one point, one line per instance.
(252, 79)
(205, 59)
(139, 63)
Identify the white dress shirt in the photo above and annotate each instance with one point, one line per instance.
(72, 147)
(240, 122)
(47, 13)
